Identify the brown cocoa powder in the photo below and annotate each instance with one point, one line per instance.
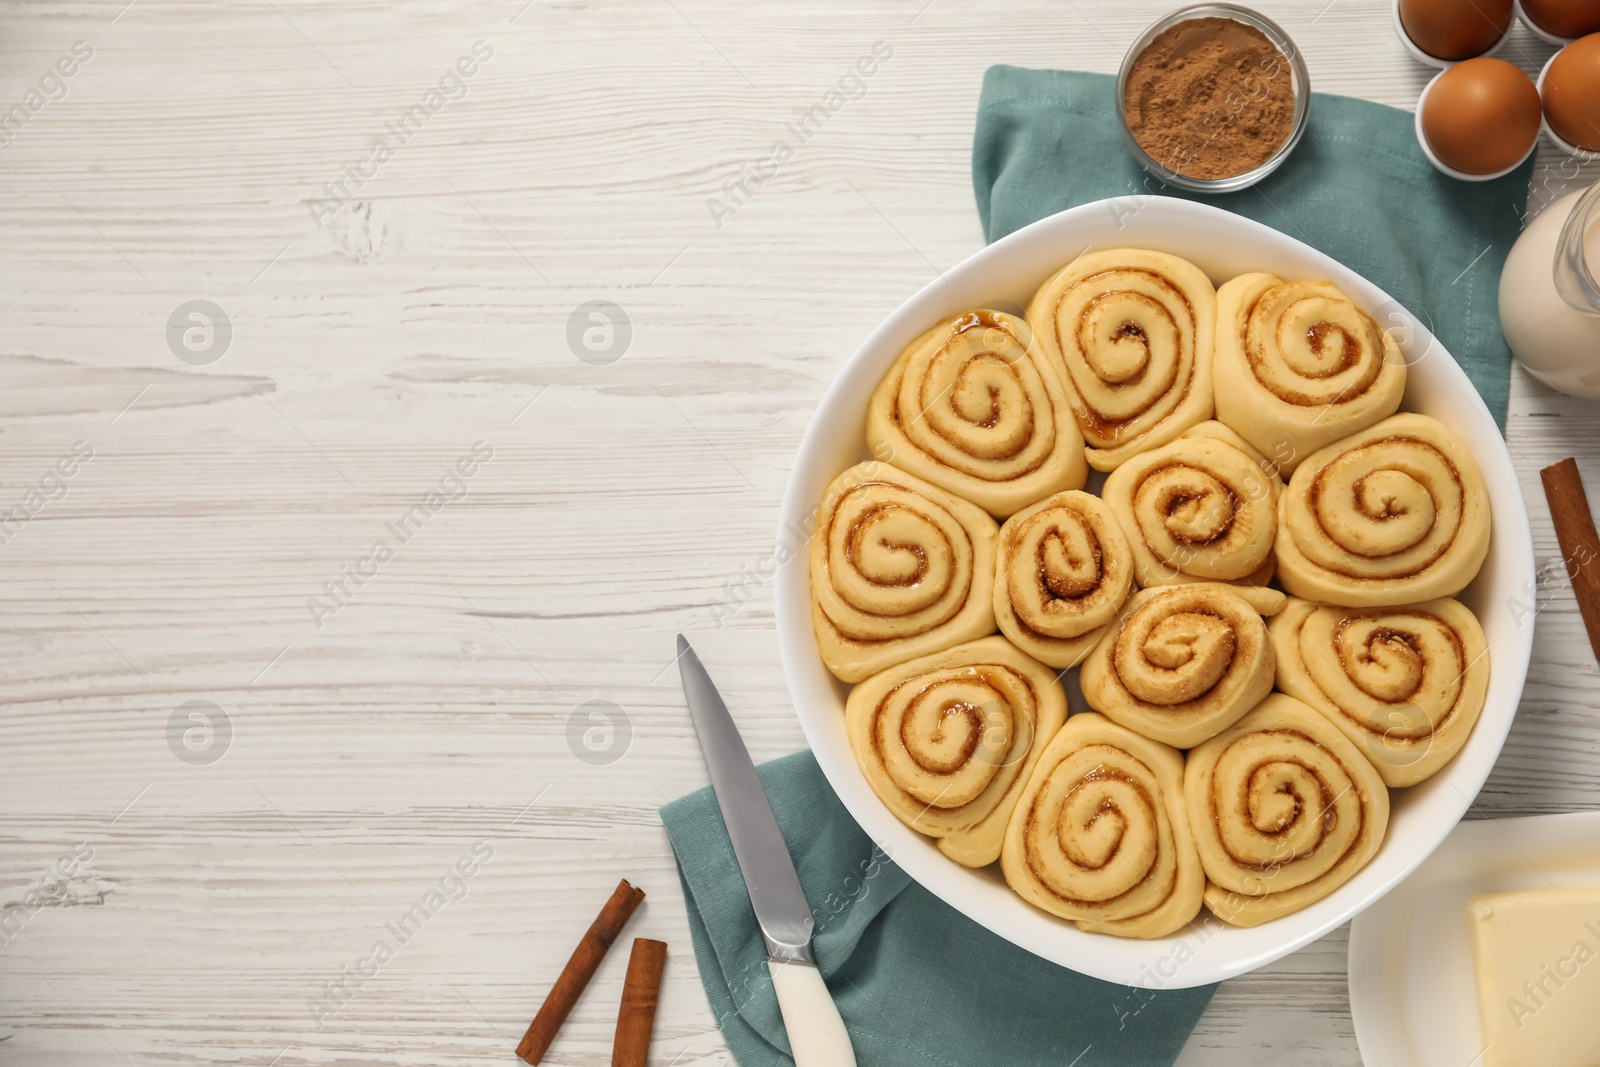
(1210, 98)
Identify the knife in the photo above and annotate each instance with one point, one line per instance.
(816, 1032)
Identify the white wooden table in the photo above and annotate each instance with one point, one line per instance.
(194, 909)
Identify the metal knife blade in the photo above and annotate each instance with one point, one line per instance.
(775, 894)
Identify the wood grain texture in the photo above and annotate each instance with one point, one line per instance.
(209, 906)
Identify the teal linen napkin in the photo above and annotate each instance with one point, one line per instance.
(918, 984)
(1357, 187)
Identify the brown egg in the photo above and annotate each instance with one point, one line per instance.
(1564, 18)
(1481, 116)
(1572, 93)
(1455, 29)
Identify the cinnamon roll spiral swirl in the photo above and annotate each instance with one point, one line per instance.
(1184, 662)
(1405, 684)
(972, 407)
(899, 568)
(1284, 809)
(1196, 510)
(1395, 514)
(1130, 332)
(947, 741)
(1100, 835)
(1299, 365)
(1063, 571)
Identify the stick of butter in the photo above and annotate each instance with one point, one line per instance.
(1538, 970)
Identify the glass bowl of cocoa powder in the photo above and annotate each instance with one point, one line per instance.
(1213, 98)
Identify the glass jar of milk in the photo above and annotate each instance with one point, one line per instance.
(1550, 295)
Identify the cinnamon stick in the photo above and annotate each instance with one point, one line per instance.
(579, 969)
(636, 1018)
(1580, 543)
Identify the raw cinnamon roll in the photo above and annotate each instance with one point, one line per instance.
(947, 741)
(1196, 510)
(1284, 808)
(1299, 365)
(1184, 662)
(1130, 331)
(1395, 514)
(1063, 571)
(1100, 835)
(899, 568)
(1405, 684)
(972, 407)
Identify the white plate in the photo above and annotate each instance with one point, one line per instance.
(1007, 273)
(1411, 985)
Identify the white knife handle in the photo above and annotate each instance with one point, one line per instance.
(816, 1033)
